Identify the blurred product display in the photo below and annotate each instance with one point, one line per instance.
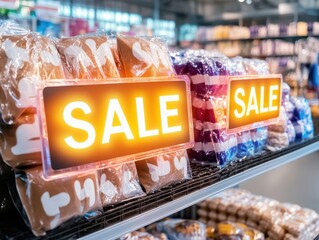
(274, 219)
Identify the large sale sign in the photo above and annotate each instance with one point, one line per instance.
(92, 123)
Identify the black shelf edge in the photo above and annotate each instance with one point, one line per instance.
(292, 38)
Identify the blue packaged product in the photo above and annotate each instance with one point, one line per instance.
(259, 138)
(245, 145)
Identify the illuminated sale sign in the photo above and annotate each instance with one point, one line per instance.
(253, 100)
(121, 121)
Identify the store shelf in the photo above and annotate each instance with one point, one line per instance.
(267, 56)
(288, 38)
(192, 198)
(118, 219)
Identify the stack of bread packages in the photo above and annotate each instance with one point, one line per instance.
(209, 85)
(295, 122)
(278, 221)
(149, 58)
(28, 60)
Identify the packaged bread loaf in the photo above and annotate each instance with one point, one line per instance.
(141, 57)
(88, 57)
(157, 172)
(27, 59)
(49, 203)
(118, 183)
(20, 143)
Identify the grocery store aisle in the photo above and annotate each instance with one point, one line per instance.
(296, 182)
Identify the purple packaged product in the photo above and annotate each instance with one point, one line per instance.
(291, 132)
(283, 29)
(180, 63)
(202, 71)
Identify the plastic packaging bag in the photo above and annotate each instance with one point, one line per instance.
(231, 230)
(141, 57)
(256, 66)
(245, 145)
(280, 134)
(157, 172)
(302, 119)
(179, 229)
(259, 138)
(20, 143)
(119, 183)
(49, 203)
(26, 59)
(209, 88)
(137, 235)
(88, 57)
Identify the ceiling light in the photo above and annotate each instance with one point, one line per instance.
(241, 0)
(248, 1)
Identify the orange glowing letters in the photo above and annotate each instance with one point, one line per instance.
(253, 104)
(253, 100)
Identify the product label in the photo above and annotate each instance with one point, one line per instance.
(91, 123)
(253, 101)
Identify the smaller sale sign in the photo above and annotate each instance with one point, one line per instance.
(253, 100)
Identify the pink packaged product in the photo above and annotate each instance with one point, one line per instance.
(209, 86)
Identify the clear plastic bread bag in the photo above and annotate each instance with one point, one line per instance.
(49, 203)
(88, 57)
(157, 172)
(119, 183)
(34, 60)
(27, 59)
(144, 57)
(149, 57)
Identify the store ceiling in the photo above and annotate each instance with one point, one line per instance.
(202, 11)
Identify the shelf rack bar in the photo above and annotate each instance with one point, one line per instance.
(119, 229)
